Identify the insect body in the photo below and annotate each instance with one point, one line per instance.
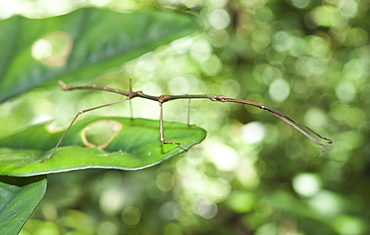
(309, 133)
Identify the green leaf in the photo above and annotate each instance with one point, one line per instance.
(81, 44)
(132, 144)
(18, 199)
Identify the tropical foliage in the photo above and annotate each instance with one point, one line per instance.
(253, 174)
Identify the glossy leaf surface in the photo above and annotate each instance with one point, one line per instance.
(18, 199)
(80, 44)
(131, 144)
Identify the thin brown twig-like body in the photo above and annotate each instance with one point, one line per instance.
(306, 131)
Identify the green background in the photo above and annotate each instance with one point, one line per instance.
(253, 174)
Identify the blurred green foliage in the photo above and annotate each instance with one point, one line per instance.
(254, 174)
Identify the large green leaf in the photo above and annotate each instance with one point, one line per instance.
(135, 144)
(18, 199)
(79, 45)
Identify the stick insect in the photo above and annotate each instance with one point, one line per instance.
(306, 131)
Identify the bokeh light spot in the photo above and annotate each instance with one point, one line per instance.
(349, 9)
(181, 46)
(326, 16)
(179, 85)
(207, 209)
(200, 50)
(326, 203)
(306, 184)
(260, 40)
(131, 216)
(212, 66)
(219, 19)
(107, 227)
(316, 118)
(224, 157)
(349, 225)
(230, 87)
(111, 201)
(246, 173)
(279, 90)
(282, 41)
(345, 92)
(164, 181)
(318, 46)
(270, 73)
(356, 37)
(300, 3)
(253, 132)
(241, 202)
